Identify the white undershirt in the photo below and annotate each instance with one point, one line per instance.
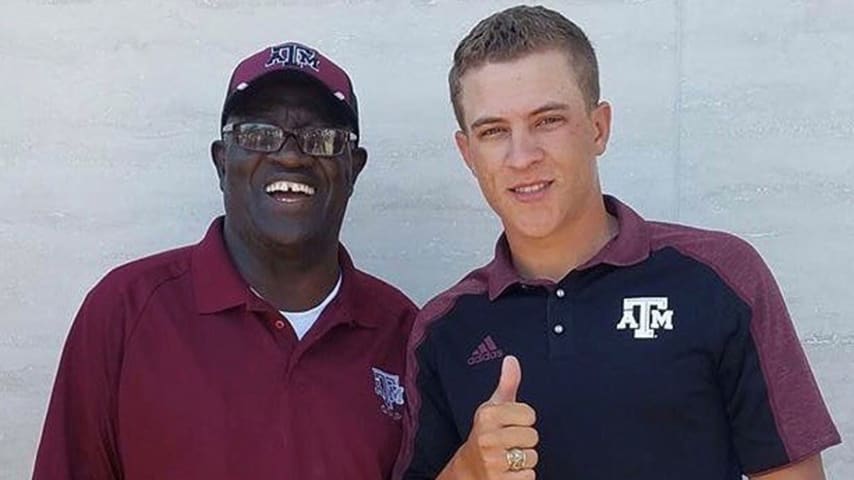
(302, 321)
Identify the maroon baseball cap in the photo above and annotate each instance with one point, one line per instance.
(300, 59)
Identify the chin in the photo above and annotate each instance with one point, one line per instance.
(528, 222)
(530, 229)
(275, 236)
(289, 238)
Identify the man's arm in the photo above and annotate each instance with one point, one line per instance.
(776, 413)
(78, 440)
(809, 469)
(429, 434)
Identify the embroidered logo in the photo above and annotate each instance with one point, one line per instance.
(387, 386)
(652, 315)
(293, 55)
(487, 350)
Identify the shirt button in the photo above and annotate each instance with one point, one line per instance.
(560, 293)
(280, 324)
(558, 329)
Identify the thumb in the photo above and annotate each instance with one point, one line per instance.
(508, 383)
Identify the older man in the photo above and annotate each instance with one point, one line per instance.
(260, 352)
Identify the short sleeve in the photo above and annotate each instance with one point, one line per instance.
(776, 411)
(79, 435)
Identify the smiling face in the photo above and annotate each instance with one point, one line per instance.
(286, 198)
(532, 141)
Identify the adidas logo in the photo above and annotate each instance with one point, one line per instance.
(487, 350)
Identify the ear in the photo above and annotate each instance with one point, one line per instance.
(218, 157)
(358, 159)
(462, 141)
(601, 117)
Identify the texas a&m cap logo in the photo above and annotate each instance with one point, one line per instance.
(295, 55)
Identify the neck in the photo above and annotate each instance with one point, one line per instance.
(554, 256)
(292, 279)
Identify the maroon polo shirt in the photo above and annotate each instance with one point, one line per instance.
(174, 369)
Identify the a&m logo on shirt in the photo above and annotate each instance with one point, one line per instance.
(293, 55)
(387, 386)
(646, 315)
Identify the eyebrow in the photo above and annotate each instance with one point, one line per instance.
(484, 121)
(548, 107)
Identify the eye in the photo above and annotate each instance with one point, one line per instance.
(324, 142)
(549, 121)
(492, 132)
(259, 137)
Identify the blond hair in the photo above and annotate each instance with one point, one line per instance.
(518, 31)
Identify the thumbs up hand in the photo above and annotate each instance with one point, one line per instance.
(502, 439)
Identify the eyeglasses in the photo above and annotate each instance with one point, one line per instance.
(266, 138)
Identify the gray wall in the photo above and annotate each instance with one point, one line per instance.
(729, 114)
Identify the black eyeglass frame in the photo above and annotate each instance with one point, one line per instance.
(301, 136)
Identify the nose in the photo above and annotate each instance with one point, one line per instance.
(524, 150)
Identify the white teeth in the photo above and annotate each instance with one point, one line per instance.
(285, 187)
(531, 188)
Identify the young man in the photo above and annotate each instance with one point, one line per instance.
(261, 352)
(640, 350)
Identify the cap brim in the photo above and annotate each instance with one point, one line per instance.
(286, 75)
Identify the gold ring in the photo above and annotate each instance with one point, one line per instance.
(516, 458)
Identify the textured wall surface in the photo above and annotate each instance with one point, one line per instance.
(728, 114)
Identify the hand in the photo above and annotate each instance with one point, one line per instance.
(500, 424)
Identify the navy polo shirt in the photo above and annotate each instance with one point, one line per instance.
(174, 369)
(669, 355)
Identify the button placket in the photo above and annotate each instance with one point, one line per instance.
(278, 327)
(560, 309)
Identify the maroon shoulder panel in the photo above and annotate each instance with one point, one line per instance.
(799, 412)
